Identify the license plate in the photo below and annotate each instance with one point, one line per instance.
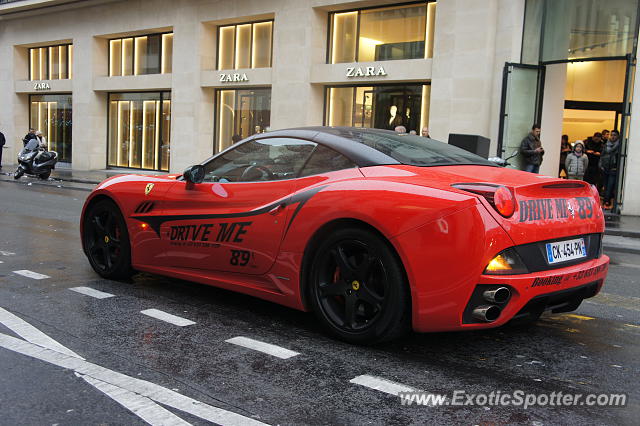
(563, 251)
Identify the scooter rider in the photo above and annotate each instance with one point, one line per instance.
(29, 136)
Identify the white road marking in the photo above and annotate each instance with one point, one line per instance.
(141, 406)
(1, 261)
(88, 291)
(6, 253)
(259, 346)
(32, 334)
(163, 316)
(31, 274)
(144, 388)
(381, 384)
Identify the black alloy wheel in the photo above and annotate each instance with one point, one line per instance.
(358, 288)
(106, 240)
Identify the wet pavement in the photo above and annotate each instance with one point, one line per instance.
(593, 350)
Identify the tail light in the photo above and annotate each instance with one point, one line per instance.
(500, 197)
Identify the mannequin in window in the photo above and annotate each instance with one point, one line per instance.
(395, 119)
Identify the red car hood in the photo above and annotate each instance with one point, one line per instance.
(546, 208)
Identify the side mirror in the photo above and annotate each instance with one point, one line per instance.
(194, 174)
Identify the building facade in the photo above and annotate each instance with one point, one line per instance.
(162, 84)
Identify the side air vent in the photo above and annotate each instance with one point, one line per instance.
(145, 207)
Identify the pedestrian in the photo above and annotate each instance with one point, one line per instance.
(412, 132)
(577, 162)
(532, 150)
(400, 129)
(29, 136)
(425, 132)
(609, 167)
(2, 142)
(605, 135)
(565, 149)
(41, 140)
(593, 148)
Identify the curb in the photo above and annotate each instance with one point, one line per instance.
(622, 233)
(46, 184)
(620, 249)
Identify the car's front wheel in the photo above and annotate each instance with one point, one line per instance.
(106, 240)
(358, 289)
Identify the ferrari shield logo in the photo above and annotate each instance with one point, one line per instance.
(148, 188)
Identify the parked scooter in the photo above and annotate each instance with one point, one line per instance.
(503, 162)
(35, 161)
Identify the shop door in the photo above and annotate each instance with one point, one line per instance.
(521, 106)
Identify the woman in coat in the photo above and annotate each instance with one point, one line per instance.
(577, 162)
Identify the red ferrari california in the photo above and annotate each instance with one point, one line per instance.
(375, 232)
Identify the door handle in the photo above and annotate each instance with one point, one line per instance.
(277, 209)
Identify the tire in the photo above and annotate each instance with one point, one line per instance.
(106, 240)
(18, 173)
(44, 176)
(358, 289)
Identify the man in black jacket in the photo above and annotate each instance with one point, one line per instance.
(2, 142)
(29, 136)
(532, 150)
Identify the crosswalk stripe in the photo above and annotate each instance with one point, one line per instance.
(163, 316)
(382, 385)
(88, 291)
(31, 274)
(266, 348)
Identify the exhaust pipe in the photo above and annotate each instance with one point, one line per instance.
(487, 313)
(499, 295)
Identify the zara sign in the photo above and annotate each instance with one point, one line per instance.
(41, 86)
(235, 77)
(366, 71)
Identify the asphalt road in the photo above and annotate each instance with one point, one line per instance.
(70, 358)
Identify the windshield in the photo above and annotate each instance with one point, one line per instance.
(412, 150)
(32, 145)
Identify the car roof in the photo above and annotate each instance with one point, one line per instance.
(340, 139)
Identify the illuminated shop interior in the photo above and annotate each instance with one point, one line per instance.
(139, 130)
(382, 34)
(240, 114)
(51, 62)
(593, 97)
(52, 115)
(150, 54)
(245, 45)
(380, 107)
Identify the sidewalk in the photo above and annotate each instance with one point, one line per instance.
(84, 179)
(622, 233)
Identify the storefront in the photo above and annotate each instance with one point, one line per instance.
(575, 78)
(139, 130)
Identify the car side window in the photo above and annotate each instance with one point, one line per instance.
(260, 160)
(324, 160)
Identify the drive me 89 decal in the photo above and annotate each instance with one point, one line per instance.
(210, 235)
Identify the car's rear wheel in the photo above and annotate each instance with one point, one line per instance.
(358, 289)
(106, 240)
